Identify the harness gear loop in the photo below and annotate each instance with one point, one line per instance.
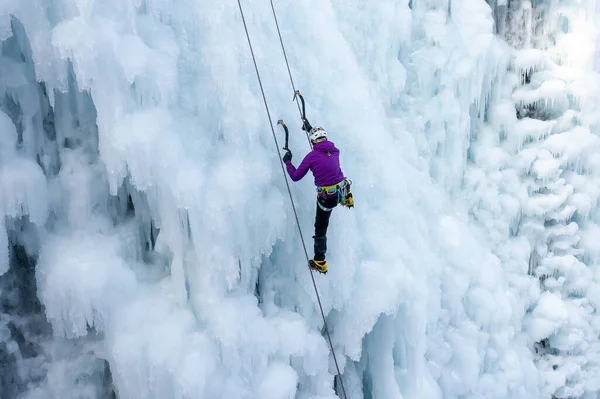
(341, 189)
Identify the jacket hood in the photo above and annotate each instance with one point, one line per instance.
(325, 146)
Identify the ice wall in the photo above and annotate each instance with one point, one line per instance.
(534, 175)
(142, 190)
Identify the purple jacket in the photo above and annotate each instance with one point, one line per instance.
(323, 161)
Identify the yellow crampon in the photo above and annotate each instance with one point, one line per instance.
(318, 265)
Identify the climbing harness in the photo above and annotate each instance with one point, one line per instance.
(328, 191)
(339, 374)
(341, 189)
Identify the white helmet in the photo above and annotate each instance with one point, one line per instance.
(317, 134)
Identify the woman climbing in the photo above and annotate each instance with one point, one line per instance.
(332, 187)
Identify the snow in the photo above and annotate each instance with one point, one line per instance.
(529, 129)
(550, 91)
(549, 314)
(24, 190)
(278, 383)
(143, 183)
(82, 284)
(529, 60)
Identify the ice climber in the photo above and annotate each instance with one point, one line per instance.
(332, 187)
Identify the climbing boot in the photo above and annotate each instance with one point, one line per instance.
(318, 265)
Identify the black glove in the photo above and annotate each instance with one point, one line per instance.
(306, 125)
(287, 156)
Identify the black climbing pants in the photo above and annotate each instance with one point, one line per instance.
(321, 224)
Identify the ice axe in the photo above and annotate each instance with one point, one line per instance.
(305, 123)
(287, 133)
(297, 94)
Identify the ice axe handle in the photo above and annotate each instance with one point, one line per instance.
(297, 93)
(287, 133)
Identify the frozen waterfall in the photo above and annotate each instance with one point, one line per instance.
(148, 248)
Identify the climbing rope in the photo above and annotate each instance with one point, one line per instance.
(288, 69)
(339, 374)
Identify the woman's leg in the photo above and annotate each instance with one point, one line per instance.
(321, 224)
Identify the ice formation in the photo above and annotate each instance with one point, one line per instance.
(148, 248)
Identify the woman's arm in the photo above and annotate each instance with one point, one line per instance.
(297, 174)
